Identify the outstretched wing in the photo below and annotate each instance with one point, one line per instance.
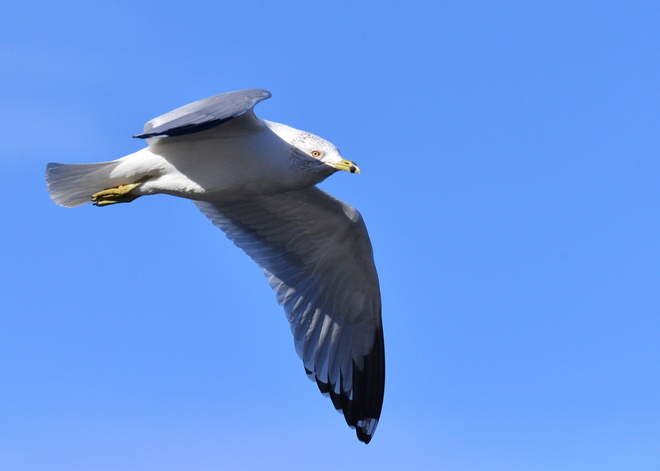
(317, 255)
(204, 114)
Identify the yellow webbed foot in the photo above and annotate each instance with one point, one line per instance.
(120, 194)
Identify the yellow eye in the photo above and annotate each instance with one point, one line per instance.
(316, 153)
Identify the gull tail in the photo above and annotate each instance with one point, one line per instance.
(73, 185)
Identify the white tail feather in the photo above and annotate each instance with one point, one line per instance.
(72, 185)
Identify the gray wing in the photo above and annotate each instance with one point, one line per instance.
(204, 114)
(317, 255)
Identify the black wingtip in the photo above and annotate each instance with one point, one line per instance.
(362, 408)
(181, 130)
(365, 437)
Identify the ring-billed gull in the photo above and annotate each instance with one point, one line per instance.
(255, 180)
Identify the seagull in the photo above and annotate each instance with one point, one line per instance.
(256, 181)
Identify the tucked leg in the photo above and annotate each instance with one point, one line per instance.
(120, 194)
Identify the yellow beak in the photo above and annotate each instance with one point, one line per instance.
(345, 165)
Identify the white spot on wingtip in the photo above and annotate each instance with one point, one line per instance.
(351, 213)
(368, 426)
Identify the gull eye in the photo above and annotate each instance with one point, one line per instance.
(316, 153)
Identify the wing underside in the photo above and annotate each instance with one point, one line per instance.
(317, 255)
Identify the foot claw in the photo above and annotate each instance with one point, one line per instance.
(120, 194)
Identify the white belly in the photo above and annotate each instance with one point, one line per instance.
(205, 166)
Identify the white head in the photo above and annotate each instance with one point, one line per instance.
(313, 149)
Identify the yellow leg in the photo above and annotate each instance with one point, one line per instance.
(120, 194)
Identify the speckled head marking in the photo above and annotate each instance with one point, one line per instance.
(315, 146)
(311, 153)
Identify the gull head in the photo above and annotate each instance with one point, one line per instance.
(314, 150)
(324, 152)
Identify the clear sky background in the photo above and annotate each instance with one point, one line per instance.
(511, 184)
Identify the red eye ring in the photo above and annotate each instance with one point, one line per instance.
(316, 153)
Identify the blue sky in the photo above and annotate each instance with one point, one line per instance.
(509, 153)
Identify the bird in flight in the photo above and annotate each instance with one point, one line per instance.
(256, 181)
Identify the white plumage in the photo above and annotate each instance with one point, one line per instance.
(255, 180)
